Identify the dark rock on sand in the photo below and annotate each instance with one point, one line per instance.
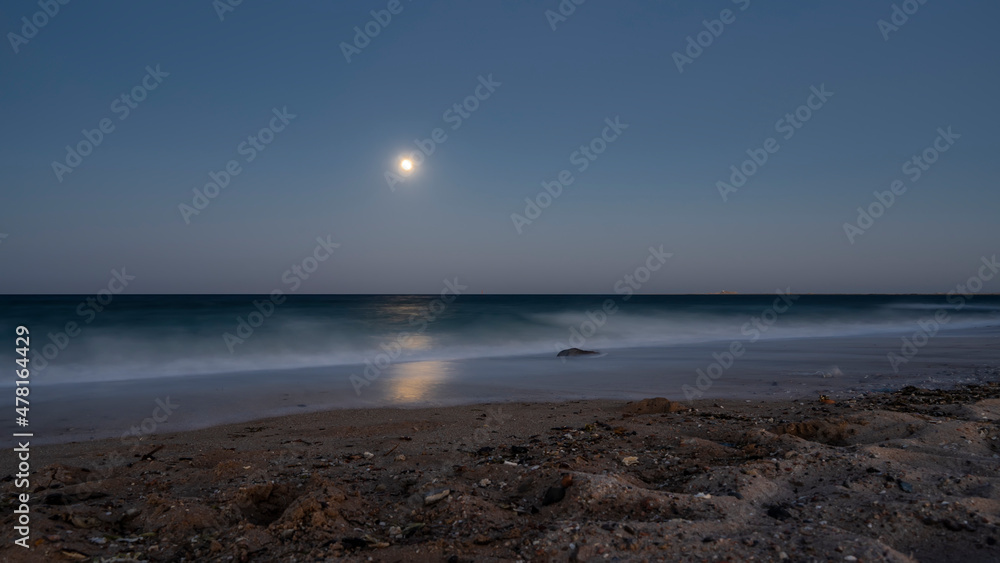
(575, 352)
(778, 513)
(353, 543)
(557, 493)
(553, 495)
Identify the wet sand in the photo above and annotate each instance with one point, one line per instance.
(783, 369)
(905, 476)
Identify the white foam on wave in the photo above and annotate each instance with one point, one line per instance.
(299, 342)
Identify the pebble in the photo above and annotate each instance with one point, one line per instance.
(778, 513)
(484, 482)
(368, 455)
(401, 457)
(630, 460)
(436, 496)
(553, 495)
(84, 521)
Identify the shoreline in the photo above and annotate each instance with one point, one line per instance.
(878, 477)
(779, 369)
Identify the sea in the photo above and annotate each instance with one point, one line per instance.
(107, 365)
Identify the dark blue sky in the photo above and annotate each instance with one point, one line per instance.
(323, 174)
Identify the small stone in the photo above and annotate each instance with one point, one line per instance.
(401, 457)
(412, 528)
(368, 455)
(84, 521)
(436, 496)
(99, 541)
(630, 460)
(778, 513)
(905, 487)
(850, 558)
(484, 482)
(703, 495)
(395, 531)
(553, 495)
(952, 525)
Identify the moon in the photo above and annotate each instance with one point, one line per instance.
(406, 164)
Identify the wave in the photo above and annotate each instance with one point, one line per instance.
(187, 338)
(945, 307)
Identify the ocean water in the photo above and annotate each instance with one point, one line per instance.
(227, 358)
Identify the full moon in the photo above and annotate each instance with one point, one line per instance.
(406, 164)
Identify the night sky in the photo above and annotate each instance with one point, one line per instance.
(305, 119)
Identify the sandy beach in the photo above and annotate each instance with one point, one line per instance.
(904, 476)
